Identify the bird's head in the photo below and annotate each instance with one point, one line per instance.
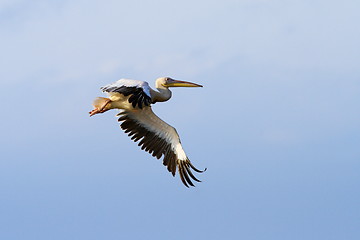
(169, 82)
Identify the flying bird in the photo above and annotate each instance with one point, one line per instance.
(134, 99)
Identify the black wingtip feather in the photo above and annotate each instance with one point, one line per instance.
(183, 171)
(195, 169)
(191, 174)
(182, 179)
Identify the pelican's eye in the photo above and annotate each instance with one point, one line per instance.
(167, 81)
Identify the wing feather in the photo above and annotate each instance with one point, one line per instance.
(159, 139)
(139, 91)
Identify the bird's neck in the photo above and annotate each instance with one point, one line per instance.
(163, 94)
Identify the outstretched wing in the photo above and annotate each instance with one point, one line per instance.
(159, 139)
(139, 91)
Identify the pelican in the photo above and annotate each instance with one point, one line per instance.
(134, 99)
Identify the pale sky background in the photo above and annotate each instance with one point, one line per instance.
(277, 123)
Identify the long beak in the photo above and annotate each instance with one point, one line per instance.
(177, 83)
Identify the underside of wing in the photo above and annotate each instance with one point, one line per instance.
(159, 139)
(139, 91)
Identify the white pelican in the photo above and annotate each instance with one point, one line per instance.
(134, 99)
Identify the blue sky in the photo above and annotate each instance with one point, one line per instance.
(276, 124)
